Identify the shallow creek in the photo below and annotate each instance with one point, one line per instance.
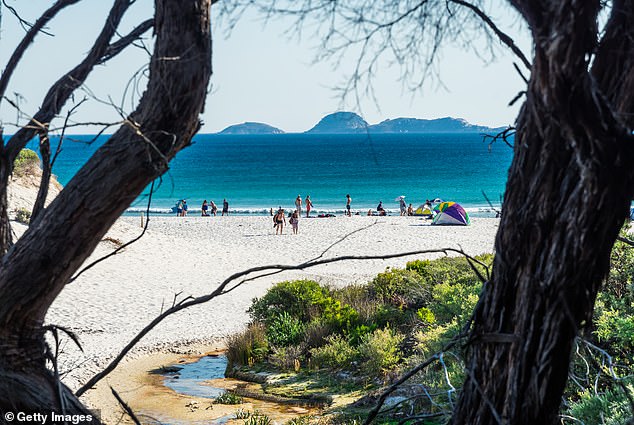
(204, 379)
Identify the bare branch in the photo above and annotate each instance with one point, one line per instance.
(115, 48)
(222, 289)
(504, 38)
(125, 406)
(59, 93)
(15, 58)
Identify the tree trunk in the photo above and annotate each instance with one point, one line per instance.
(567, 195)
(45, 180)
(38, 266)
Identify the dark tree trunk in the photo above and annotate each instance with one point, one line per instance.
(568, 193)
(45, 180)
(38, 266)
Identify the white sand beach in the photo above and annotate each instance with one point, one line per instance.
(190, 256)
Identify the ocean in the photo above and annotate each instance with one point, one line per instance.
(258, 172)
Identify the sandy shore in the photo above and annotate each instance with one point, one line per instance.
(190, 256)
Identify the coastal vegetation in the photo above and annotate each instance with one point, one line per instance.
(307, 341)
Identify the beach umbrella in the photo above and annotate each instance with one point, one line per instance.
(451, 213)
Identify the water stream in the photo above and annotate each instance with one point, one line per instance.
(205, 378)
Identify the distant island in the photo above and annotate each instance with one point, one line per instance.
(251, 128)
(350, 123)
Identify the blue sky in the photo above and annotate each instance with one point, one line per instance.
(260, 74)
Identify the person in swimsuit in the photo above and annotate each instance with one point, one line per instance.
(278, 221)
(225, 207)
(184, 208)
(214, 208)
(179, 208)
(348, 202)
(309, 205)
(298, 204)
(205, 209)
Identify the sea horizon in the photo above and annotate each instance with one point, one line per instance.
(258, 172)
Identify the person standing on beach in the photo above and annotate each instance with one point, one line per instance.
(205, 209)
(298, 204)
(309, 205)
(179, 208)
(348, 202)
(294, 220)
(225, 207)
(214, 208)
(184, 208)
(403, 206)
(278, 221)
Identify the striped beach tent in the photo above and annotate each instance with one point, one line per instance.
(451, 213)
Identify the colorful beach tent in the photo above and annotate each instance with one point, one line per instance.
(451, 213)
(423, 209)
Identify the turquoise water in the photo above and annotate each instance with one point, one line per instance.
(258, 172)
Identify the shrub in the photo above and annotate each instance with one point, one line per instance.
(336, 354)
(247, 347)
(339, 317)
(380, 351)
(285, 330)
(228, 398)
(401, 288)
(448, 269)
(315, 334)
(257, 418)
(358, 297)
(287, 358)
(298, 298)
(26, 163)
(454, 299)
(22, 215)
(609, 408)
(300, 420)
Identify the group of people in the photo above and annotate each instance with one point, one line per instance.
(207, 209)
(279, 218)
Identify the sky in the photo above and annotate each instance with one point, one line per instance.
(261, 74)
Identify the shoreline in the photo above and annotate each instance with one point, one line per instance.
(110, 303)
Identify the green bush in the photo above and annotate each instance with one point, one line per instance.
(380, 351)
(609, 408)
(340, 317)
(336, 354)
(315, 334)
(257, 418)
(285, 330)
(401, 288)
(228, 398)
(248, 347)
(298, 298)
(287, 358)
(26, 163)
(451, 299)
(448, 269)
(359, 298)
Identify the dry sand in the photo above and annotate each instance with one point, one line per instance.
(181, 257)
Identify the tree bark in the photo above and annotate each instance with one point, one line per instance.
(45, 180)
(38, 266)
(568, 193)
